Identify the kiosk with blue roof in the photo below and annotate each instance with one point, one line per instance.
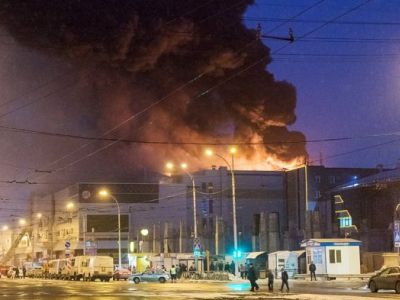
(333, 256)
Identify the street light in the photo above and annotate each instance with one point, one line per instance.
(5, 228)
(39, 215)
(70, 205)
(22, 222)
(184, 166)
(103, 193)
(231, 166)
(144, 232)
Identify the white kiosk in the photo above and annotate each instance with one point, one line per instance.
(333, 256)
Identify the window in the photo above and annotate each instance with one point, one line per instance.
(345, 222)
(317, 194)
(335, 256)
(338, 256)
(331, 256)
(317, 179)
(394, 271)
(332, 179)
(385, 272)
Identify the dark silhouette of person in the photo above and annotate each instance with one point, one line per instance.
(270, 276)
(312, 268)
(285, 280)
(252, 277)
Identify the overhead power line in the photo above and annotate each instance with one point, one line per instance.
(200, 143)
(276, 20)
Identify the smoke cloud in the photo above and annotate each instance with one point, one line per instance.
(137, 52)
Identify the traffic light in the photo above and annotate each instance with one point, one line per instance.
(237, 254)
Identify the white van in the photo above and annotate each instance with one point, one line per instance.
(92, 267)
(54, 269)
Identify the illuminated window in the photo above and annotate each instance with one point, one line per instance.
(345, 222)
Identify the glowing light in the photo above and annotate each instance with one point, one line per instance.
(22, 222)
(39, 215)
(184, 166)
(104, 193)
(144, 232)
(169, 166)
(232, 150)
(70, 205)
(209, 152)
(5, 227)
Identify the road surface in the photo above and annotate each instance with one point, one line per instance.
(55, 289)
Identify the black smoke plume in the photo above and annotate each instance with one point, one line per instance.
(137, 52)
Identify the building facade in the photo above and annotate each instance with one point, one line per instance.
(275, 210)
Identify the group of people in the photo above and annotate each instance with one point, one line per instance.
(15, 272)
(252, 277)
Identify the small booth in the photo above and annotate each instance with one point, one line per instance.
(259, 260)
(333, 256)
(283, 259)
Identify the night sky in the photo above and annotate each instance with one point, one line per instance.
(346, 75)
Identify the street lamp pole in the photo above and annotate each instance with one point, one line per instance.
(119, 231)
(104, 193)
(194, 203)
(231, 167)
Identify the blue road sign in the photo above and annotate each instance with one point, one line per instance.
(396, 233)
(67, 244)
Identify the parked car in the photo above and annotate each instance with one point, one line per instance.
(150, 276)
(386, 279)
(121, 274)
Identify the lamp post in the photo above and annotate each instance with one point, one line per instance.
(170, 166)
(106, 194)
(231, 167)
(184, 166)
(144, 232)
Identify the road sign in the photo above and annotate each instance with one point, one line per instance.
(67, 244)
(196, 246)
(396, 233)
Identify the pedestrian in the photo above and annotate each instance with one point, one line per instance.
(220, 266)
(270, 276)
(242, 270)
(227, 267)
(233, 268)
(163, 268)
(246, 269)
(16, 272)
(252, 277)
(312, 268)
(285, 280)
(172, 272)
(192, 268)
(23, 272)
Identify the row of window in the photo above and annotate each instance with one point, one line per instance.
(64, 232)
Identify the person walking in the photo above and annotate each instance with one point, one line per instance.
(242, 270)
(252, 277)
(172, 272)
(285, 280)
(270, 276)
(232, 268)
(312, 268)
(23, 272)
